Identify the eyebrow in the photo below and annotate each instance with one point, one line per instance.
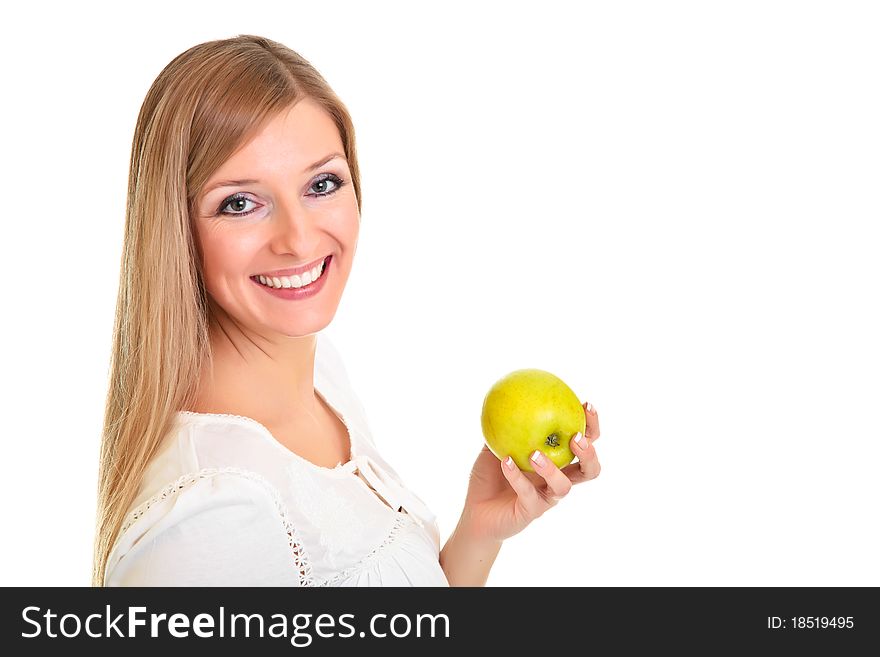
(250, 181)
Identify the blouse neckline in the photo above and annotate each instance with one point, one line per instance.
(244, 420)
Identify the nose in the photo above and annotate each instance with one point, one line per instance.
(295, 229)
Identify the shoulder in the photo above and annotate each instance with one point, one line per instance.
(331, 376)
(329, 362)
(211, 527)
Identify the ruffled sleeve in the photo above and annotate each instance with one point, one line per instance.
(214, 527)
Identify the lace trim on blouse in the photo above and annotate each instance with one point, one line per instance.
(300, 558)
(400, 522)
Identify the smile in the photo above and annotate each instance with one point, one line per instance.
(296, 281)
(302, 286)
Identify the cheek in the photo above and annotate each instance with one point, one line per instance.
(225, 256)
(354, 225)
(349, 222)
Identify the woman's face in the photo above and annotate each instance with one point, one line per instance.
(282, 212)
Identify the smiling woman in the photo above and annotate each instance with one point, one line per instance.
(234, 449)
(215, 356)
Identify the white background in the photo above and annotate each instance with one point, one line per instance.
(672, 206)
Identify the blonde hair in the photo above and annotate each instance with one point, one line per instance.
(204, 105)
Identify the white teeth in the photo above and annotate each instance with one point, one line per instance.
(293, 281)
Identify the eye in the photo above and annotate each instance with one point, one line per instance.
(237, 200)
(322, 181)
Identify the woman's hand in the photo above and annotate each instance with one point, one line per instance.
(502, 501)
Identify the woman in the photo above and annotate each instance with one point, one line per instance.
(234, 450)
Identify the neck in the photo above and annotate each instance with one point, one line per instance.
(271, 381)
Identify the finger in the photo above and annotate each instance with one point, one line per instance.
(558, 485)
(526, 493)
(592, 430)
(587, 465)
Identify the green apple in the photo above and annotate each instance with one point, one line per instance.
(532, 409)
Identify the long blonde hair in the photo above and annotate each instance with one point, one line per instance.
(205, 104)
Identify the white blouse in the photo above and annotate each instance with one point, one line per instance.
(223, 503)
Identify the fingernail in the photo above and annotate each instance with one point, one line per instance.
(537, 457)
(580, 440)
(589, 407)
(508, 463)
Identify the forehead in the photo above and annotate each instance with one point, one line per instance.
(290, 141)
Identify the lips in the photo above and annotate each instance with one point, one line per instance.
(263, 281)
(295, 293)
